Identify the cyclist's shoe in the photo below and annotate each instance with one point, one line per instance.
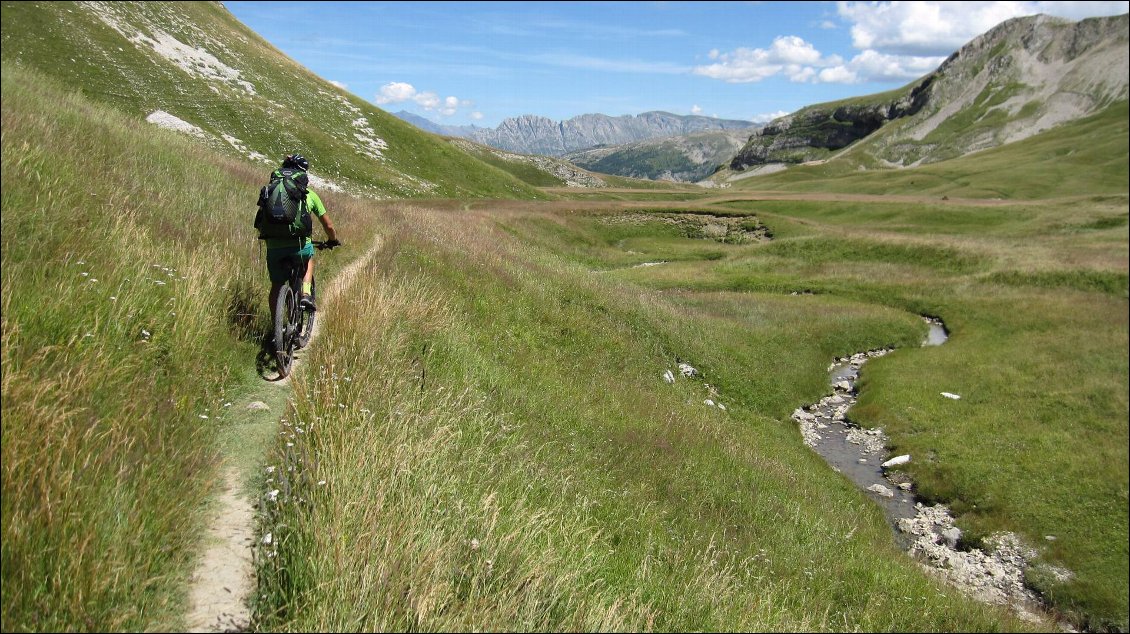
(306, 302)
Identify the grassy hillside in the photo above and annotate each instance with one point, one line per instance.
(1083, 158)
(133, 305)
(196, 62)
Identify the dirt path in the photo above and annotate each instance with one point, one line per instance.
(225, 577)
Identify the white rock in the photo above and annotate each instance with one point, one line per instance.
(949, 395)
(881, 490)
(897, 460)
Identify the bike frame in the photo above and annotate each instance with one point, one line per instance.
(292, 324)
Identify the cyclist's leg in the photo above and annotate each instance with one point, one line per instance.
(278, 268)
(306, 294)
(308, 280)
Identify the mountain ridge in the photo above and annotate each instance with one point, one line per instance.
(535, 134)
(1020, 78)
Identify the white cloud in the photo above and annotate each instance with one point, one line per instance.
(399, 92)
(769, 116)
(339, 84)
(395, 92)
(696, 109)
(477, 116)
(427, 100)
(789, 56)
(898, 41)
(939, 28)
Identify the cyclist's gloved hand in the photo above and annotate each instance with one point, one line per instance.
(333, 243)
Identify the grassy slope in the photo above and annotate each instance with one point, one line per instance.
(1082, 158)
(130, 311)
(69, 42)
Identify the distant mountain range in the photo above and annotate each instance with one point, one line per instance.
(531, 134)
(686, 158)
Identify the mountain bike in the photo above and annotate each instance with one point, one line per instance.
(293, 324)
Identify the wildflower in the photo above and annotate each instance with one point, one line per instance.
(273, 495)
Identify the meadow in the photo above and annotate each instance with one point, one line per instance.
(482, 438)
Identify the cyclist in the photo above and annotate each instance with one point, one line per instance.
(279, 249)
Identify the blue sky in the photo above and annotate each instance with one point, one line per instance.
(461, 63)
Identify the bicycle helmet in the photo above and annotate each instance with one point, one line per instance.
(296, 160)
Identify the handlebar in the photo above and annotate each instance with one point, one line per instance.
(328, 244)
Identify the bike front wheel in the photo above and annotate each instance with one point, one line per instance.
(286, 326)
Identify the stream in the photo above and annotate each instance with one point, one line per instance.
(927, 533)
(855, 452)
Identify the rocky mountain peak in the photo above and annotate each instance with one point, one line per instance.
(1022, 77)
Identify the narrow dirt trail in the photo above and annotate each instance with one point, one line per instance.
(225, 576)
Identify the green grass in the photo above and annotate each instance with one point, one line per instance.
(68, 42)
(133, 304)
(512, 459)
(1081, 158)
(481, 439)
(1035, 295)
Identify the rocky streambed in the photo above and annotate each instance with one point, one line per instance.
(928, 533)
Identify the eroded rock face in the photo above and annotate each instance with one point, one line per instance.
(1021, 78)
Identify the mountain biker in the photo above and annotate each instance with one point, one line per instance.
(279, 249)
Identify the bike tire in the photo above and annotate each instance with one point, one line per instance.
(306, 322)
(286, 306)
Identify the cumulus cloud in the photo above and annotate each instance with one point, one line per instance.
(789, 56)
(395, 92)
(898, 41)
(696, 109)
(400, 92)
(769, 116)
(339, 84)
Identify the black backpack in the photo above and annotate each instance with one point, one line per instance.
(282, 206)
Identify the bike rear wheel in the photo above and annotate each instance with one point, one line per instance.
(306, 319)
(286, 329)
